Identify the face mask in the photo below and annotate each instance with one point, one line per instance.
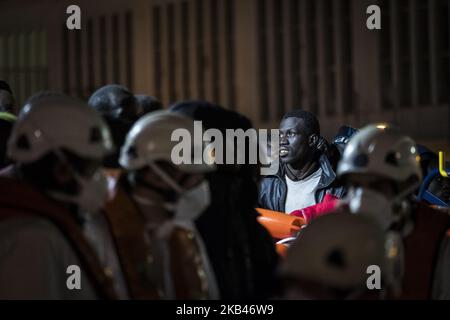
(92, 196)
(93, 191)
(373, 205)
(191, 203)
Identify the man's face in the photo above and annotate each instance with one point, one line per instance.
(294, 143)
(440, 187)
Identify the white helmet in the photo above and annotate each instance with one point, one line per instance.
(382, 150)
(56, 122)
(335, 250)
(153, 138)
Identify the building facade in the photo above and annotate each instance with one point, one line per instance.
(259, 57)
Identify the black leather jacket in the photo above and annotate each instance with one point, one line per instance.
(273, 188)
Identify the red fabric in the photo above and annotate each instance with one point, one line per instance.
(421, 252)
(328, 204)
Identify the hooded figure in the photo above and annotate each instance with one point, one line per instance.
(241, 250)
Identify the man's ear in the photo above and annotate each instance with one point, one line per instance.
(313, 140)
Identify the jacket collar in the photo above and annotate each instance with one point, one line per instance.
(327, 177)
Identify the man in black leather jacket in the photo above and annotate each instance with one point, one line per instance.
(305, 174)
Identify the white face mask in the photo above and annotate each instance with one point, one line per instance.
(372, 204)
(191, 203)
(92, 196)
(93, 191)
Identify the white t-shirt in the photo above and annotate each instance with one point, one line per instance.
(300, 194)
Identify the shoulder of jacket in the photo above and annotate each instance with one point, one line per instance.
(33, 231)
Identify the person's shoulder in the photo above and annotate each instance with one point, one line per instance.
(32, 232)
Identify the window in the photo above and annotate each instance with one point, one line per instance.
(385, 54)
(115, 48)
(103, 51)
(330, 61)
(90, 56)
(215, 53)
(311, 23)
(3, 57)
(230, 50)
(405, 63)
(129, 48)
(423, 82)
(279, 36)
(65, 60)
(295, 52)
(185, 48)
(443, 52)
(263, 71)
(23, 62)
(78, 65)
(347, 56)
(172, 54)
(200, 49)
(414, 42)
(157, 50)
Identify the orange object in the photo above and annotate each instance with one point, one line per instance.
(280, 225)
(281, 249)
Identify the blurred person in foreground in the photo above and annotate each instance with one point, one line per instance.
(331, 257)
(381, 168)
(51, 200)
(162, 200)
(240, 249)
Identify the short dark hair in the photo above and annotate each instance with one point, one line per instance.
(148, 104)
(311, 123)
(5, 86)
(7, 102)
(103, 99)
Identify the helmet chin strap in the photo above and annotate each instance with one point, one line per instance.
(166, 178)
(404, 221)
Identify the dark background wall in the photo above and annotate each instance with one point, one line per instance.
(260, 57)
